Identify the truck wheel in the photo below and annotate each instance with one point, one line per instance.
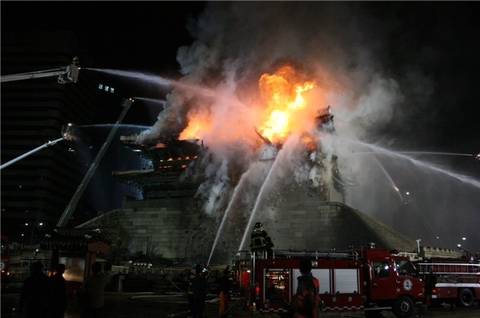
(403, 307)
(466, 297)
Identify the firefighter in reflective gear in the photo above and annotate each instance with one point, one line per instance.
(306, 302)
(258, 238)
(260, 243)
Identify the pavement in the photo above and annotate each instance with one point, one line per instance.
(175, 305)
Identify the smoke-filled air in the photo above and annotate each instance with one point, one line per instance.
(285, 95)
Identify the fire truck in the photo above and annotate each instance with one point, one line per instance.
(450, 276)
(370, 280)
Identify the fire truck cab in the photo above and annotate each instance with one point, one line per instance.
(371, 280)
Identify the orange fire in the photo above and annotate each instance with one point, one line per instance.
(198, 124)
(284, 96)
(286, 106)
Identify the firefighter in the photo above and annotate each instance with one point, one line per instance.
(306, 301)
(197, 292)
(260, 243)
(258, 238)
(225, 285)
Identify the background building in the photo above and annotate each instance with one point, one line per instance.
(35, 190)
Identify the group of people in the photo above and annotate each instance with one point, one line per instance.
(197, 292)
(46, 297)
(305, 303)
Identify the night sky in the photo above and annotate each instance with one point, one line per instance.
(440, 41)
(140, 36)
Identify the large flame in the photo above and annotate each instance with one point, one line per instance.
(284, 96)
(198, 124)
(286, 106)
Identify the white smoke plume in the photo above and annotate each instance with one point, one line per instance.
(236, 43)
(339, 45)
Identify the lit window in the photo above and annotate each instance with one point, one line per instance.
(112, 90)
(100, 86)
(107, 88)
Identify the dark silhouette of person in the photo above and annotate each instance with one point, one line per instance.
(306, 302)
(198, 291)
(224, 286)
(35, 291)
(93, 294)
(58, 293)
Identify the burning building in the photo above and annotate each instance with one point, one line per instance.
(166, 222)
(282, 172)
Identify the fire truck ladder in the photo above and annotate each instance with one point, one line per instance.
(347, 254)
(317, 254)
(64, 74)
(449, 268)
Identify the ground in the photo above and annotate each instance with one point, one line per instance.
(143, 305)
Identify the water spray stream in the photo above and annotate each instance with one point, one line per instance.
(159, 80)
(72, 205)
(390, 179)
(437, 153)
(419, 163)
(111, 125)
(397, 190)
(236, 191)
(150, 78)
(151, 100)
(432, 153)
(258, 200)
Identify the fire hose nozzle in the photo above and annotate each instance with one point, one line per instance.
(68, 132)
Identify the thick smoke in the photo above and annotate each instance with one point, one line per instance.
(236, 43)
(342, 47)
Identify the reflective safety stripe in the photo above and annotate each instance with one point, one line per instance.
(340, 308)
(282, 310)
(467, 285)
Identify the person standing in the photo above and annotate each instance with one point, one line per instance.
(34, 294)
(58, 293)
(225, 285)
(94, 292)
(198, 291)
(306, 301)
